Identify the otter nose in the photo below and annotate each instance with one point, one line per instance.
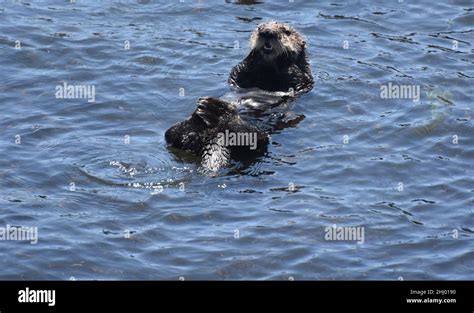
(267, 34)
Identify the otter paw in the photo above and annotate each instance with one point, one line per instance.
(210, 110)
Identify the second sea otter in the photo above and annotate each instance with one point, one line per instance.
(277, 61)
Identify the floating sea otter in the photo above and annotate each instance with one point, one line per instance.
(277, 61)
(277, 68)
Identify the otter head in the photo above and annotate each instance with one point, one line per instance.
(272, 40)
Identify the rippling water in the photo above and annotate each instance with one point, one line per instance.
(111, 202)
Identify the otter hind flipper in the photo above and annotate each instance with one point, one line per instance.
(211, 110)
(215, 113)
(215, 155)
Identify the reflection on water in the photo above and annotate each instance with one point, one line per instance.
(112, 202)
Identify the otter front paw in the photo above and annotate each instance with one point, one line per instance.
(211, 110)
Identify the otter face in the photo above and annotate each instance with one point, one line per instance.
(273, 39)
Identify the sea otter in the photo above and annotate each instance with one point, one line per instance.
(277, 61)
(275, 71)
(216, 132)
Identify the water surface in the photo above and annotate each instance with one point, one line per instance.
(88, 174)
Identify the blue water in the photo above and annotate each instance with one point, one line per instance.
(87, 174)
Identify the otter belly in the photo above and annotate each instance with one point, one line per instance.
(255, 99)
